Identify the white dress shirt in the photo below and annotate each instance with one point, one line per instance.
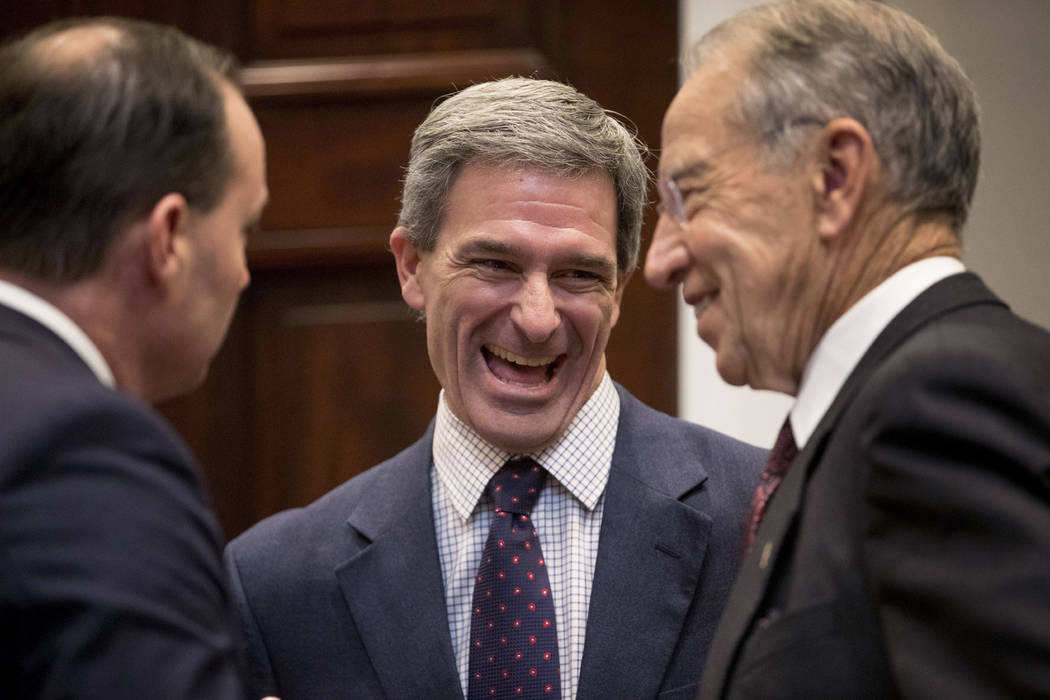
(842, 346)
(567, 517)
(46, 314)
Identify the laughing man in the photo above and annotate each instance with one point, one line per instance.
(518, 232)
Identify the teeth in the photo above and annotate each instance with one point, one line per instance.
(701, 306)
(518, 359)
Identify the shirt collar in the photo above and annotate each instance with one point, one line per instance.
(53, 319)
(580, 460)
(842, 346)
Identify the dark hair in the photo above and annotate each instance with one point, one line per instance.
(522, 123)
(99, 119)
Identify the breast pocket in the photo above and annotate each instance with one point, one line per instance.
(807, 653)
(685, 692)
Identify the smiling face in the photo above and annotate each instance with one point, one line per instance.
(747, 254)
(520, 294)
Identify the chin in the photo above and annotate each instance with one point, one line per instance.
(190, 379)
(730, 372)
(523, 438)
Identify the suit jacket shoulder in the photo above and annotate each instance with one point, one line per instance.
(908, 547)
(676, 456)
(109, 550)
(675, 506)
(324, 591)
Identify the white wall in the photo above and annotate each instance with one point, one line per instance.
(1003, 47)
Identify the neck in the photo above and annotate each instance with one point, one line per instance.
(856, 262)
(102, 313)
(868, 256)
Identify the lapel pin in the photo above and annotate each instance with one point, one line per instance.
(767, 549)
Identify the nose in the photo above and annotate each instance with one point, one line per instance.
(535, 312)
(667, 259)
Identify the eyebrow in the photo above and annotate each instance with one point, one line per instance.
(485, 245)
(598, 263)
(696, 169)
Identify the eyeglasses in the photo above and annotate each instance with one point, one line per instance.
(671, 201)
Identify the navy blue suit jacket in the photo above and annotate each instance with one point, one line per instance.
(344, 598)
(111, 581)
(907, 551)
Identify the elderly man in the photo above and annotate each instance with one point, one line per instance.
(130, 169)
(816, 173)
(549, 535)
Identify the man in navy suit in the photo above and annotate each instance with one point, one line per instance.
(130, 170)
(518, 232)
(816, 173)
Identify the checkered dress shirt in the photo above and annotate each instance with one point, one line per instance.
(568, 518)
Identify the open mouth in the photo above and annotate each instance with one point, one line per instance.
(518, 369)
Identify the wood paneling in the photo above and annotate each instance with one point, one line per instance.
(296, 28)
(325, 371)
(333, 379)
(368, 77)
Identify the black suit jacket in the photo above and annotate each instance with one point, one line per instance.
(344, 598)
(111, 583)
(907, 551)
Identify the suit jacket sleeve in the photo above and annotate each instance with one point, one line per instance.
(255, 659)
(112, 584)
(958, 529)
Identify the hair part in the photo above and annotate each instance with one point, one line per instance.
(99, 119)
(810, 60)
(523, 123)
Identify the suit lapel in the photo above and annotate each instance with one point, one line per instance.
(753, 581)
(650, 554)
(394, 587)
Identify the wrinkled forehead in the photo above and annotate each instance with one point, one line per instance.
(697, 122)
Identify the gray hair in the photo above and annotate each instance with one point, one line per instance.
(821, 59)
(522, 123)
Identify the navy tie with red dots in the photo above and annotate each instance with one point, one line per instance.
(513, 641)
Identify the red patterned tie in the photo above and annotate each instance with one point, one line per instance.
(780, 457)
(513, 642)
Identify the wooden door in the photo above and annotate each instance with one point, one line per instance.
(325, 371)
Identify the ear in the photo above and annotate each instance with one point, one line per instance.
(165, 243)
(407, 259)
(847, 160)
(622, 278)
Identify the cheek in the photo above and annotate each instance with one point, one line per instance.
(452, 321)
(241, 274)
(713, 240)
(591, 320)
(742, 256)
(228, 262)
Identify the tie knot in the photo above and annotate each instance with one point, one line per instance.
(517, 485)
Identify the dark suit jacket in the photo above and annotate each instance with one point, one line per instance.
(907, 551)
(344, 599)
(111, 584)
